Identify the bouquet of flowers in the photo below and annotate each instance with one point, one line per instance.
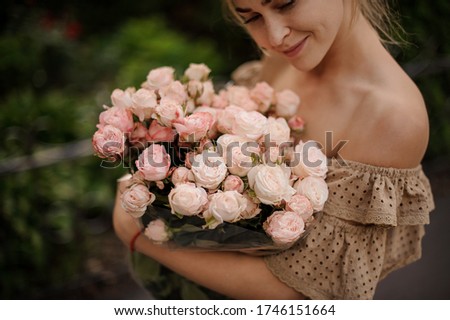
(213, 170)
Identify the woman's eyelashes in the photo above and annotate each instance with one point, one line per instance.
(288, 4)
(283, 6)
(251, 19)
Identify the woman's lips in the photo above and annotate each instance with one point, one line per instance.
(295, 50)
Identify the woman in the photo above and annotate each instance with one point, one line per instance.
(355, 94)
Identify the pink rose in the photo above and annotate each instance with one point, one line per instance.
(239, 160)
(159, 78)
(296, 123)
(278, 131)
(194, 127)
(175, 92)
(262, 94)
(227, 118)
(144, 103)
(270, 183)
(108, 142)
(284, 227)
(189, 159)
(287, 103)
(199, 72)
(207, 95)
(158, 133)
(215, 112)
(301, 205)
(135, 200)
(120, 118)
(252, 209)
(272, 155)
(250, 124)
(180, 175)
(227, 142)
(168, 111)
(240, 96)
(187, 199)
(201, 93)
(122, 99)
(209, 170)
(194, 88)
(154, 163)
(309, 160)
(220, 100)
(139, 135)
(157, 231)
(315, 189)
(205, 145)
(226, 206)
(237, 152)
(233, 183)
(213, 132)
(189, 106)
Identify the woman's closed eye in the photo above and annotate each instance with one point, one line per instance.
(285, 5)
(251, 19)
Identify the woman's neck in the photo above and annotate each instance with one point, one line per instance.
(356, 51)
(357, 56)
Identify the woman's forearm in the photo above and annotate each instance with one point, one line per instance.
(233, 274)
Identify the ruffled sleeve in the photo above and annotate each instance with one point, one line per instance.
(375, 195)
(372, 224)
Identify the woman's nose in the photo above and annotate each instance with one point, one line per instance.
(276, 32)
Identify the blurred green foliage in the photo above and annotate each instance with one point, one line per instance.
(427, 60)
(55, 81)
(59, 62)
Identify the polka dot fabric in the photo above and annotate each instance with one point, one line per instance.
(375, 195)
(372, 224)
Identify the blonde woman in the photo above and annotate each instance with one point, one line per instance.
(371, 119)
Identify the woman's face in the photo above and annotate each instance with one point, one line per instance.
(301, 31)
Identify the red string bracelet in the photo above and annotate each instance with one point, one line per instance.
(133, 240)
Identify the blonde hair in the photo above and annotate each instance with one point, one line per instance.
(378, 12)
(383, 19)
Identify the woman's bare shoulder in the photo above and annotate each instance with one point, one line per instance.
(394, 126)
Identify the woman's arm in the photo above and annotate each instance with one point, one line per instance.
(235, 275)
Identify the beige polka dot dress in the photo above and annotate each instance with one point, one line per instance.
(372, 224)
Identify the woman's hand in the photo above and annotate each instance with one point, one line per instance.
(236, 275)
(125, 226)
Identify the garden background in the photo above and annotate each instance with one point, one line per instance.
(59, 62)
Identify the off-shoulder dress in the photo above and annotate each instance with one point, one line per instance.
(372, 224)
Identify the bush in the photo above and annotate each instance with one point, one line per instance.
(48, 213)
